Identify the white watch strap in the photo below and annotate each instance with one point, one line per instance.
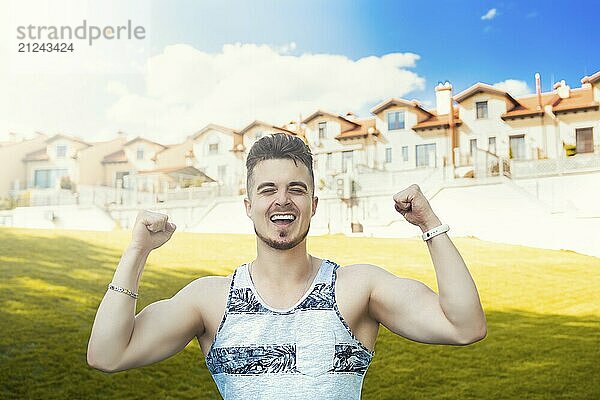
(438, 230)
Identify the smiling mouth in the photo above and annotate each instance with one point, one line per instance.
(282, 219)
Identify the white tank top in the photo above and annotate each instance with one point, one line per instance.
(304, 352)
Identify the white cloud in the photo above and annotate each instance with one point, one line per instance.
(514, 87)
(182, 88)
(492, 12)
(186, 88)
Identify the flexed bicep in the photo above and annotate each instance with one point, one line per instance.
(163, 328)
(409, 308)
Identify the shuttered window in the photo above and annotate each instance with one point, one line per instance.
(585, 140)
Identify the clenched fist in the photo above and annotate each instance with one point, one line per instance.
(151, 230)
(415, 208)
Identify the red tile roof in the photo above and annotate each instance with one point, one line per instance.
(437, 122)
(319, 113)
(269, 126)
(398, 102)
(361, 130)
(38, 155)
(116, 157)
(216, 127)
(139, 138)
(483, 87)
(60, 135)
(579, 99)
(592, 78)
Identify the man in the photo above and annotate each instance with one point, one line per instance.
(286, 325)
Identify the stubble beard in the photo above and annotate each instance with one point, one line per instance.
(282, 245)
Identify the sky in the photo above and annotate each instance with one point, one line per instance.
(231, 62)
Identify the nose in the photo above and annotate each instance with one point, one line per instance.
(282, 198)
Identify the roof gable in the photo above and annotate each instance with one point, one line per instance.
(66, 137)
(214, 127)
(256, 123)
(394, 102)
(484, 88)
(592, 78)
(320, 113)
(141, 139)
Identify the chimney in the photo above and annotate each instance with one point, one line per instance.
(443, 96)
(291, 126)
(351, 116)
(538, 90)
(562, 89)
(585, 82)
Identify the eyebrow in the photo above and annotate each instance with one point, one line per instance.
(294, 183)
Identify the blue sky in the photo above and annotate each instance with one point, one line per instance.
(554, 38)
(230, 62)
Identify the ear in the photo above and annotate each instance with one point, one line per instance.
(315, 201)
(248, 206)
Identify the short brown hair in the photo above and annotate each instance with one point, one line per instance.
(279, 146)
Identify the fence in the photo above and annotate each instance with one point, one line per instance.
(549, 167)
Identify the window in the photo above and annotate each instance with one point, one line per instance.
(388, 155)
(404, 153)
(482, 109)
(395, 120)
(426, 156)
(259, 134)
(140, 153)
(322, 130)
(584, 140)
(492, 145)
(472, 146)
(120, 180)
(213, 148)
(328, 161)
(346, 160)
(61, 151)
(48, 178)
(517, 147)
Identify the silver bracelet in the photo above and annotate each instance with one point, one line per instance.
(438, 230)
(122, 290)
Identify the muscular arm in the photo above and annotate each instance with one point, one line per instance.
(411, 309)
(120, 340)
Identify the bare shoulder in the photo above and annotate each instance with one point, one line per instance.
(204, 294)
(372, 276)
(360, 274)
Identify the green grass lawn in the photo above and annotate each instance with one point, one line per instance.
(542, 307)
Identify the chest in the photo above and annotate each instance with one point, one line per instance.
(351, 299)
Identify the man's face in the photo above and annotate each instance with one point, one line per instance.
(280, 202)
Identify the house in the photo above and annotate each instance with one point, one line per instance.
(341, 143)
(121, 166)
(56, 164)
(14, 175)
(415, 137)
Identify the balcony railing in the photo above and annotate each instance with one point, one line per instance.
(534, 168)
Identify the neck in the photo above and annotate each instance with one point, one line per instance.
(283, 268)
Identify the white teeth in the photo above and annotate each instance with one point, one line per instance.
(283, 217)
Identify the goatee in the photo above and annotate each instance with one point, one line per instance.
(282, 245)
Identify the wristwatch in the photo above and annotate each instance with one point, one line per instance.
(438, 230)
